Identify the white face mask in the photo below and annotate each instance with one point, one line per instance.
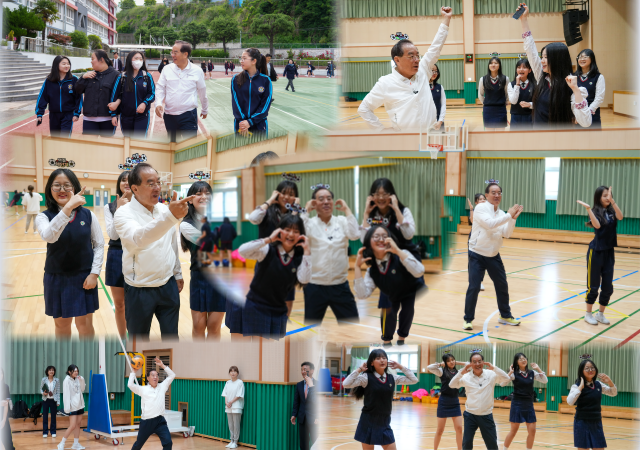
(136, 64)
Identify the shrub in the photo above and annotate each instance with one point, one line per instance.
(95, 42)
(60, 39)
(79, 39)
(209, 53)
(152, 53)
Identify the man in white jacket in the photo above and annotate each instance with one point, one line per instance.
(490, 225)
(152, 395)
(405, 92)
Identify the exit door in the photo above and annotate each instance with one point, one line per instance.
(106, 197)
(96, 197)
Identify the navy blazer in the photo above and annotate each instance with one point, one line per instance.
(304, 408)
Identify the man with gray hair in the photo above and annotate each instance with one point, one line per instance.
(179, 86)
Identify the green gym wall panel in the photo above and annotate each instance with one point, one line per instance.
(31, 399)
(193, 152)
(426, 381)
(470, 92)
(249, 232)
(235, 140)
(361, 76)
(556, 388)
(450, 93)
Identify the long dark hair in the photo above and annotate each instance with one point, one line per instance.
(54, 76)
(261, 65)
(387, 186)
(593, 68)
(366, 242)
(49, 201)
(598, 209)
(559, 64)
(293, 221)
(72, 369)
(581, 367)
(516, 367)
(121, 177)
(358, 392)
(437, 76)
(531, 77)
(102, 55)
(477, 197)
(197, 187)
(446, 358)
(274, 215)
(128, 68)
(30, 189)
(502, 79)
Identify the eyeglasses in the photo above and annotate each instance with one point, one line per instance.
(174, 53)
(59, 187)
(324, 199)
(414, 57)
(378, 237)
(152, 185)
(589, 369)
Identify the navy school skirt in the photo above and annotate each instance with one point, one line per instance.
(521, 121)
(65, 297)
(233, 317)
(113, 270)
(291, 296)
(588, 434)
(263, 323)
(203, 295)
(77, 413)
(383, 301)
(494, 116)
(374, 429)
(522, 412)
(448, 407)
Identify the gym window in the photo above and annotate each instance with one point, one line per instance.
(551, 178)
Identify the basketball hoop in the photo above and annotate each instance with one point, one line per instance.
(434, 149)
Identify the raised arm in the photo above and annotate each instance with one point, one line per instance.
(530, 45)
(435, 369)
(257, 249)
(438, 41)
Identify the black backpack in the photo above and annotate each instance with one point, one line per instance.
(20, 410)
(35, 412)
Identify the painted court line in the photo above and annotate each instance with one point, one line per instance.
(284, 112)
(14, 223)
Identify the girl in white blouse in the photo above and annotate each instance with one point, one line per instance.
(233, 394)
(73, 400)
(590, 78)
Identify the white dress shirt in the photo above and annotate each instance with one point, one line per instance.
(479, 389)
(149, 244)
(365, 286)
(179, 89)
(488, 229)
(257, 216)
(72, 397)
(108, 220)
(329, 243)
(514, 93)
(435, 369)
(151, 399)
(362, 379)
(50, 232)
(233, 389)
(597, 101)
(481, 90)
(581, 112)
(191, 233)
(32, 203)
(407, 227)
(541, 377)
(575, 392)
(258, 250)
(407, 101)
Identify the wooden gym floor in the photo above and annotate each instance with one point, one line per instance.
(414, 425)
(547, 283)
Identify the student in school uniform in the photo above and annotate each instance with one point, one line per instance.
(310, 69)
(478, 198)
(50, 390)
(523, 395)
(493, 94)
(586, 394)
(233, 394)
(521, 96)
(329, 238)
(75, 251)
(58, 92)
(113, 271)
(73, 401)
(133, 94)
(251, 92)
(291, 73)
(396, 272)
(227, 233)
(31, 200)
(207, 303)
(283, 261)
(448, 403)
(558, 101)
(590, 78)
(439, 97)
(603, 218)
(373, 382)
(152, 398)
(210, 68)
(384, 208)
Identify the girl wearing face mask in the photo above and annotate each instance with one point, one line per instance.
(590, 78)
(448, 403)
(479, 198)
(113, 271)
(58, 92)
(603, 218)
(132, 96)
(439, 98)
(73, 401)
(207, 303)
(373, 382)
(283, 261)
(396, 272)
(75, 250)
(521, 96)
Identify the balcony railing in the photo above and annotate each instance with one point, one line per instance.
(44, 46)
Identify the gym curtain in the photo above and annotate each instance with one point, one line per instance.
(522, 181)
(579, 179)
(424, 199)
(621, 364)
(341, 183)
(359, 9)
(510, 6)
(26, 360)
(197, 151)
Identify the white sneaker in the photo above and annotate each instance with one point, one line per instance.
(77, 446)
(481, 287)
(234, 445)
(25, 232)
(45, 436)
(601, 318)
(53, 435)
(588, 317)
(229, 445)
(61, 446)
(35, 232)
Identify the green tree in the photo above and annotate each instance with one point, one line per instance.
(24, 22)
(149, 2)
(46, 10)
(95, 42)
(271, 25)
(224, 29)
(194, 33)
(127, 4)
(79, 39)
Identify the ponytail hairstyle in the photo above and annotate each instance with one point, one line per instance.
(531, 77)
(30, 188)
(502, 79)
(196, 188)
(261, 65)
(559, 66)
(358, 392)
(598, 209)
(102, 55)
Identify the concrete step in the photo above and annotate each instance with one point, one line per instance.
(18, 68)
(8, 84)
(19, 97)
(22, 88)
(25, 75)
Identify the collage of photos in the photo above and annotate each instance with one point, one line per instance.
(321, 225)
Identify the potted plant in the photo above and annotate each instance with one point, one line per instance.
(10, 39)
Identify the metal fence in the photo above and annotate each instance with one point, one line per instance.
(44, 46)
(302, 63)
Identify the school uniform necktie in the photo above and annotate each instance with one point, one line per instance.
(306, 390)
(285, 258)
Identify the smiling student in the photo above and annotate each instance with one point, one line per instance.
(521, 96)
(448, 403)
(493, 94)
(251, 92)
